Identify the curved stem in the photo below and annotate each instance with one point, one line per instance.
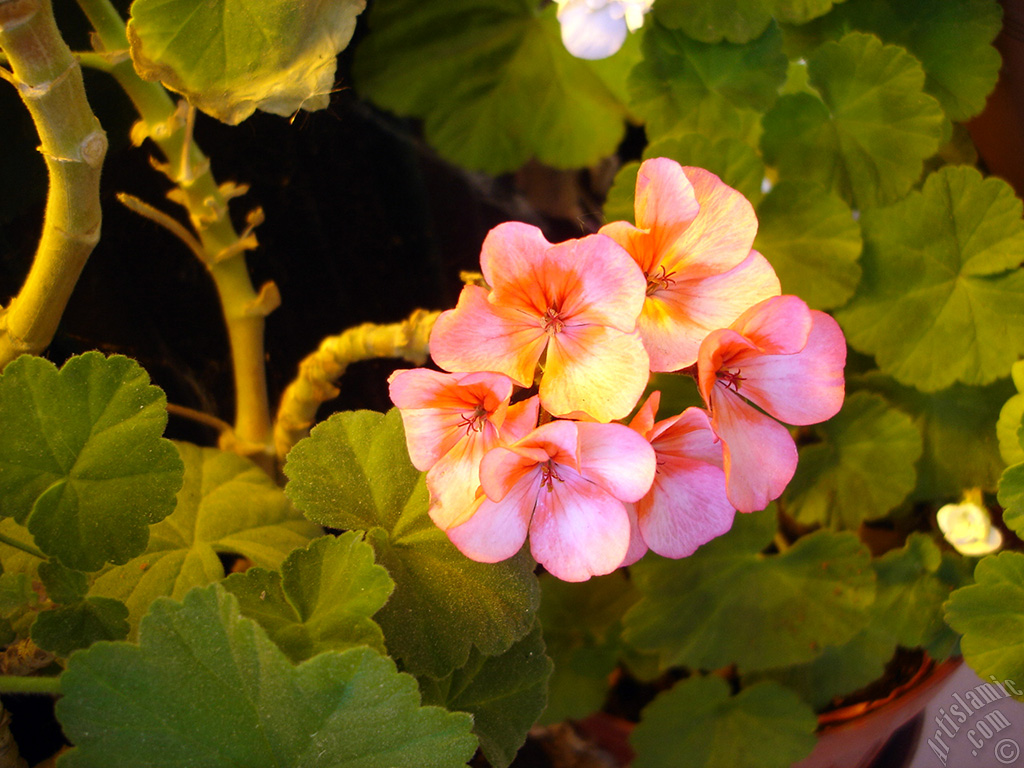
(49, 81)
(319, 370)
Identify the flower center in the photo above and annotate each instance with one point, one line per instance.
(659, 281)
(549, 473)
(553, 321)
(732, 379)
(474, 421)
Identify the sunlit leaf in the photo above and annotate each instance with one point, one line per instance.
(697, 612)
(1010, 418)
(868, 135)
(863, 467)
(958, 425)
(952, 39)
(62, 585)
(227, 505)
(493, 82)
(990, 615)
(232, 57)
(942, 297)
(82, 462)
(322, 599)
(838, 671)
(206, 686)
(353, 472)
(811, 239)
(1011, 497)
(911, 592)
(80, 624)
(718, 89)
(697, 724)
(737, 21)
(505, 694)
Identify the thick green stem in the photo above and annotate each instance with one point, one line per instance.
(168, 125)
(19, 684)
(49, 81)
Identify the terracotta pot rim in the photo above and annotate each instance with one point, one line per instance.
(930, 672)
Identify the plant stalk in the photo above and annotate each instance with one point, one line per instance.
(49, 81)
(244, 309)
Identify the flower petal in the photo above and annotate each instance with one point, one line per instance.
(803, 388)
(478, 336)
(686, 507)
(759, 454)
(591, 33)
(617, 458)
(578, 529)
(594, 370)
(498, 529)
(440, 409)
(721, 235)
(597, 282)
(643, 421)
(777, 326)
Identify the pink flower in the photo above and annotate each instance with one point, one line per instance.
(687, 505)
(451, 421)
(692, 240)
(565, 484)
(571, 307)
(788, 361)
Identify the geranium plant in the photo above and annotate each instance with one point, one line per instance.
(708, 459)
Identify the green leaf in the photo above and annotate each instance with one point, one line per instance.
(227, 505)
(80, 624)
(353, 472)
(492, 81)
(1011, 497)
(869, 134)
(738, 21)
(16, 592)
(697, 724)
(618, 205)
(685, 86)
(990, 616)
(863, 468)
(505, 694)
(323, 598)
(812, 240)
(82, 462)
(942, 297)
(838, 671)
(911, 592)
(582, 628)
(232, 57)
(62, 585)
(1010, 418)
(960, 447)
(729, 604)
(952, 39)
(206, 686)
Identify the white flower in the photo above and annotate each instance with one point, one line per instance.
(968, 527)
(595, 29)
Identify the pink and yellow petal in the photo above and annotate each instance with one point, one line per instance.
(721, 235)
(776, 326)
(617, 458)
(578, 529)
(594, 370)
(477, 336)
(759, 454)
(803, 388)
(686, 508)
(497, 530)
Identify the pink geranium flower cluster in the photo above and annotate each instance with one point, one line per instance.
(521, 439)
